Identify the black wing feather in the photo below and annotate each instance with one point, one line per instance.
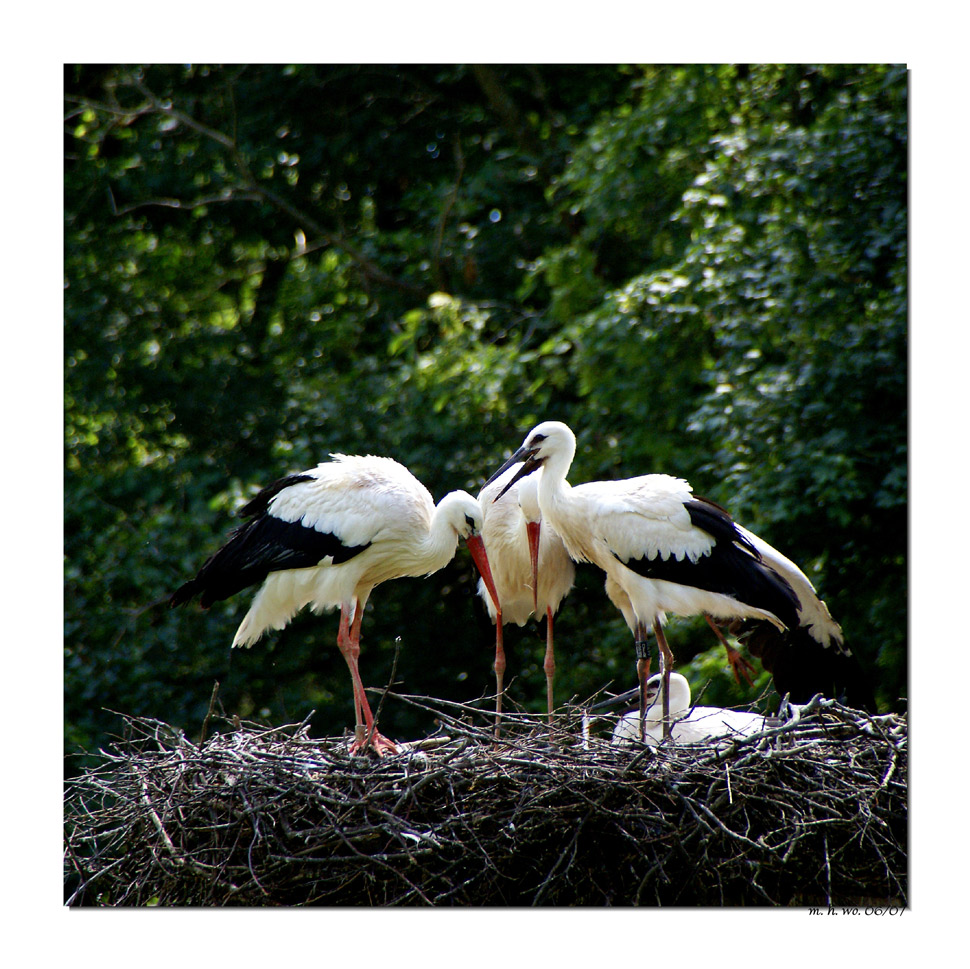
(260, 546)
(799, 664)
(260, 504)
(733, 567)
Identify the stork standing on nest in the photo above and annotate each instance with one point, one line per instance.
(327, 537)
(531, 568)
(671, 552)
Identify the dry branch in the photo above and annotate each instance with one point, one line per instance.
(811, 812)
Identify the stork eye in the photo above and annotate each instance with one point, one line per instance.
(537, 439)
(470, 522)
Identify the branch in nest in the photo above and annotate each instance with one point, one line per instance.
(811, 812)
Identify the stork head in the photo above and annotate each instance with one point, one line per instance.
(548, 441)
(679, 696)
(464, 514)
(653, 694)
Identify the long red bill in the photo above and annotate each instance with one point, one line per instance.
(477, 547)
(532, 530)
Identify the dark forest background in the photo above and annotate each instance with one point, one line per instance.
(702, 269)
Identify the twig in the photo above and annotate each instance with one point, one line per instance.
(208, 713)
(813, 814)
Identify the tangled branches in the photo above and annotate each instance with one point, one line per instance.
(811, 812)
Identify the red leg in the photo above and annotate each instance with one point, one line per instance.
(499, 668)
(365, 733)
(643, 674)
(345, 645)
(666, 664)
(549, 664)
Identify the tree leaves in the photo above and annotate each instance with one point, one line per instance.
(701, 268)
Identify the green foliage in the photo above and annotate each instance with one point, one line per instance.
(702, 269)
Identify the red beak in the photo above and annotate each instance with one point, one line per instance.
(477, 547)
(532, 528)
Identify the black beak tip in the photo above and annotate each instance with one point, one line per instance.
(617, 700)
(528, 466)
(514, 459)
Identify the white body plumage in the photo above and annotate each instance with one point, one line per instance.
(689, 725)
(646, 520)
(530, 566)
(364, 501)
(505, 531)
(665, 550)
(325, 538)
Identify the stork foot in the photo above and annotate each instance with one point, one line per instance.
(378, 743)
(740, 666)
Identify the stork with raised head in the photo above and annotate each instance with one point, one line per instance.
(530, 566)
(688, 724)
(325, 538)
(672, 552)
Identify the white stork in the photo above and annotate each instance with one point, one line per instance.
(669, 551)
(532, 571)
(326, 537)
(689, 724)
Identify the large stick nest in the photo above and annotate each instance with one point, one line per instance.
(810, 812)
